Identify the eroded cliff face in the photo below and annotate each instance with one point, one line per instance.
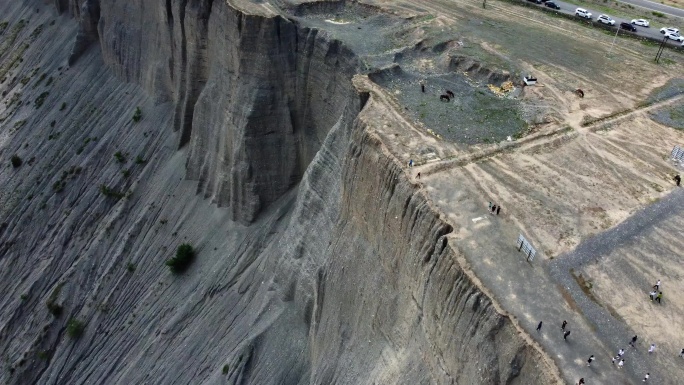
(321, 263)
(254, 96)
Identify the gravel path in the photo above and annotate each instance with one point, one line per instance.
(613, 332)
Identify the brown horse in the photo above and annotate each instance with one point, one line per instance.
(450, 94)
(579, 93)
(444, 98)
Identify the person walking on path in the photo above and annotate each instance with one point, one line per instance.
(565, 323)
(566, 334)
(490, 206)
(621, 364)
(591, 358)
(653, 294)
(633, 341)
(652, 348)
(647, 376)
(410, 162)
(659, 297)
(498, 209)
(657, 286)
(418, 176)
(677, 179)
(581, 381)
(621, 352)
(681, 354)
(539, 326)
(493, 209)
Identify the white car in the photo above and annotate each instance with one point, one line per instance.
(605, 19)
(674, 36)
(641, 22)
(581, 12)
(670, 30)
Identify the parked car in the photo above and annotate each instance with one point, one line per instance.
(641, 22)
(674, 36)
(581, 12)
(670, 30)
(605, 19)
(628, 27)
(551, 4)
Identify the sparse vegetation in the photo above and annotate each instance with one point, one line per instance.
(16, 161)
(120, 157)
(139, 160)
(130, 267)
(126, 173)
(226, 369)
(44, 354)
(41, 99)
(184, 257)
(59, 185)
(19, 124)
(111, 193)
(658, 14)
(63, 106)
(53, 307)
(137, 115)
(75, 328)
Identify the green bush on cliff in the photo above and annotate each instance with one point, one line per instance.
(137, 115)
(75, 328)
(184, 257)
(16, 161)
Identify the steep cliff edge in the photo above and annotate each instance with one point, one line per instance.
(320, 264)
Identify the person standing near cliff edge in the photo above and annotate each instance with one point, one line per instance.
(539, 326)
(565, 323)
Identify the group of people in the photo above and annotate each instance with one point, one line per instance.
(656, 294)
(494, 209)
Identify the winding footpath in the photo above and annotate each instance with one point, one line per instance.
(612, 331)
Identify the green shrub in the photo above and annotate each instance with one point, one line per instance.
(137, 115)
(16, 161)
(41, 99)
(75, 328)
(139, 160)
(121, 158)
(658, 14)
(54, 308)
(108, 192)
(184, 257)
(130, 267)
(63, 106)
(226, 369)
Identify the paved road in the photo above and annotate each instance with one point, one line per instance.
(654, 33)
(650, 5)
(613, 332)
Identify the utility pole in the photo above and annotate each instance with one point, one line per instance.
(660, 50)
(615, 37)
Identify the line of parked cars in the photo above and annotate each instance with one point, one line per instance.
(669, 32)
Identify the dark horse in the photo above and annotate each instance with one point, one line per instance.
(450, 94)
(444, 98)
(579, 93)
